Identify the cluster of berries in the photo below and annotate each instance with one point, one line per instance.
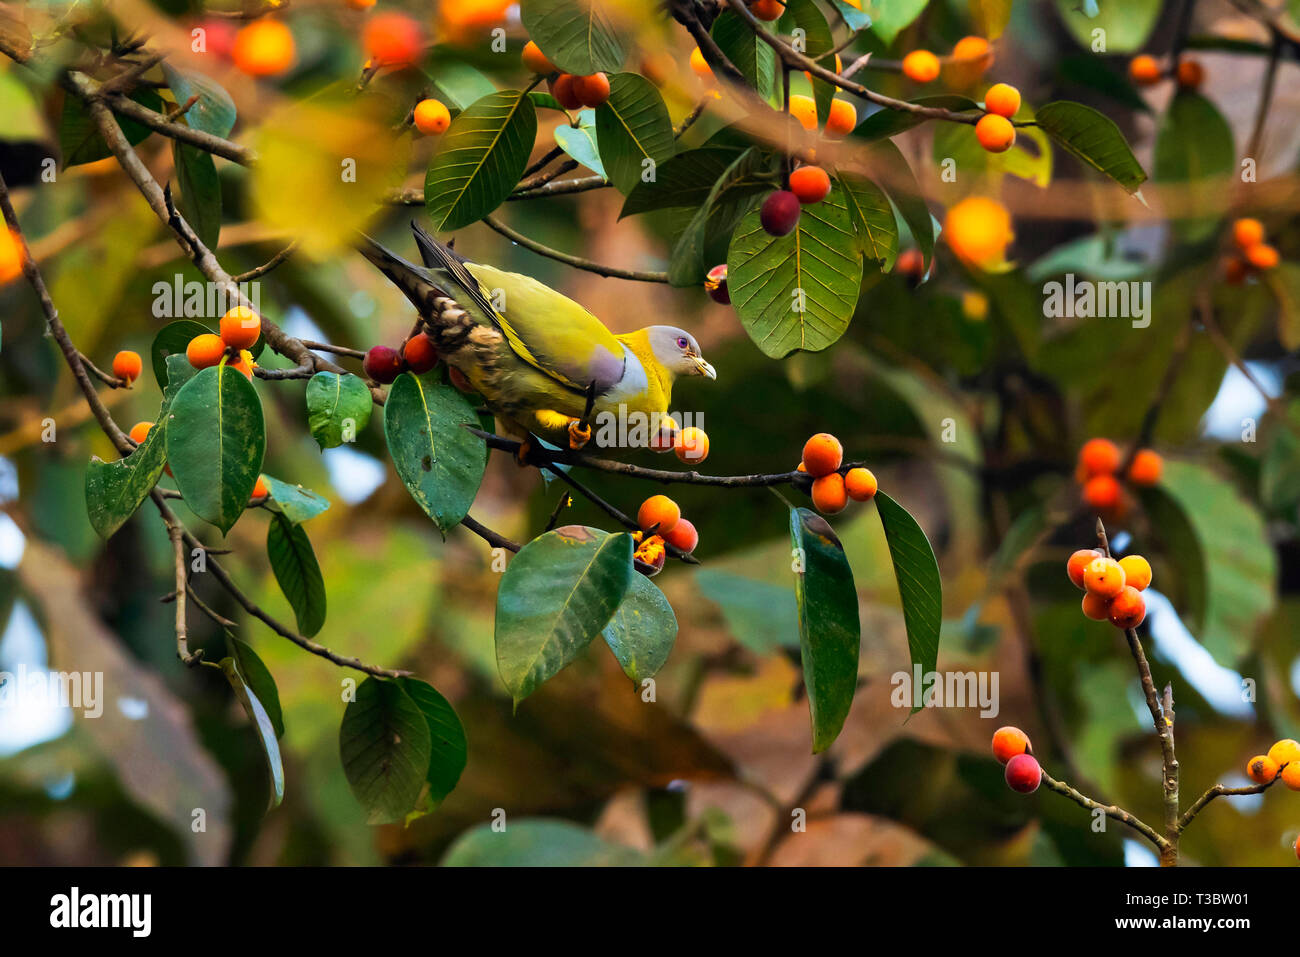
(570, 91)
(1097, 472)
(1112, 589)
(779, 213)
(1012, 748)
(1145, 70)
(1283, 758)
(1252, 253)
(823, 456)
(240, 328)
(266, 47)
(383, 364)
(661, 522)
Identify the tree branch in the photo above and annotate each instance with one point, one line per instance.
(577, 262)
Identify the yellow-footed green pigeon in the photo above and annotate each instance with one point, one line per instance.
(535, 354)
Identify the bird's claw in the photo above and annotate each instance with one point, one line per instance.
(579, 434)
(522, 453)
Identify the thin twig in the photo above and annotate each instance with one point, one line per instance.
(576, 261)
(1110, 810)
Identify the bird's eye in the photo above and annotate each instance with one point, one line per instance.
(681, 342)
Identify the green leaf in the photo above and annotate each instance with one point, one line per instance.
(79, 138)
(957, 142)
(1093, 72)
(213, 112)
(799, 291)
(338, 408)
(115, 490)
(172, 340)
(989, 17)
(580, 142)
(22, 120)
(555, 597)
(439, 462)
(1284, 282)
(537, 842)
(544, 101)
(480, 159)
(806, 16)
(459, 84)
(873, 219)
(179, 372)
(919, 586)
(728, 199)
(1126, 26)
(262, 723)
(259, 680)
(200, 201)
(1194, 145)
(385, 747)
(216, 439)
(579, 36)
(892, 170)
(854, 16)
(760, 615)
(1279, 466)
(830, 632)
(634, 131)
(295, 503)
(1218, 545)
(297, 573)
(685, 179)
(754, 58)
(642, 631)
(885, 123)
(1094, 139)
(449, 751)
(890, 17)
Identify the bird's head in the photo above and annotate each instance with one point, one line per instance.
(678, 352)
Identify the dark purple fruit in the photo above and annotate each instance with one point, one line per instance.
(383, 364)
(780, 213)
(715, 283)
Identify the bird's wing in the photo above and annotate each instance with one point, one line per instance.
(546, 329)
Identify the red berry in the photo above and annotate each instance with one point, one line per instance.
(382, 364)
(1024, 774)
(715, 283)
(420, 353)
(780, 213)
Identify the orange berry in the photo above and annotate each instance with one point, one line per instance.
(1285, 752)
(244, 363)
(139, 432)
(205, 350)
(1096, 607)
(1261, 769)
(1137, 571)
(1262, 256)
(261, 489)
(700, 66)
(1103, 577)
(978, 230)
(460, 380)
(240, 327)
(658, 510)
(860, 483)
(11, 256)
(801, 468)
(691, 445)
(829, 494)
(392, 39)
(1190, 74)
(1146, 469)
(535, 60)
(767, 9)
(920, 66)
(1078, 562)
(263, 48)
(651, 552)
(1128, 608)
(1099, 457)
(973, 50)
(1144, 70)
(665, 439)
(683, 535)
(842, 119)
(1008, 742)
(911, 265)
(810, 183)
(432, 117)
(1247, 232)
(1002, 99)
(592, 91)
(995, 133)
(420, 353)
(127, 366)
(804, 109)
(562, 88)
(822, 454)
(1102, 492)
(839, 68)
(361, 4)
(1291, 776)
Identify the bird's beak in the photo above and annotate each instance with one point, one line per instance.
(704, 368)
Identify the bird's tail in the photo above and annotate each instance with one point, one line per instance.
(416, 282)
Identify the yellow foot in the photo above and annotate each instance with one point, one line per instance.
(579, 434)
